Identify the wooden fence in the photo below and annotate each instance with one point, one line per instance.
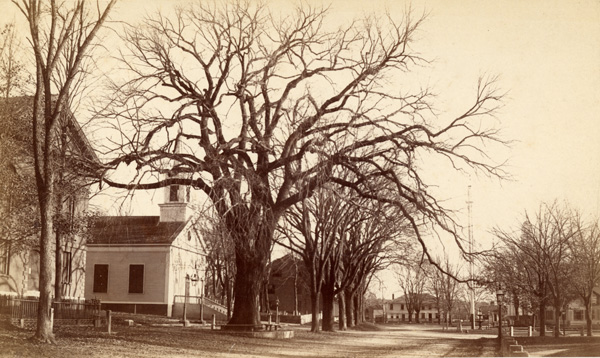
(25, 309)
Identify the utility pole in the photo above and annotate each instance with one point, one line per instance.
(470, 233)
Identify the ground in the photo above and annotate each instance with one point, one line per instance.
(152, 337)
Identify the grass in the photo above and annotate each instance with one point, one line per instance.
(159, 337)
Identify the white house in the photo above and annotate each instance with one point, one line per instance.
(141, 263)
(396, 310)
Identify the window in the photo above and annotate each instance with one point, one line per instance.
(391, 306)
(173, 189)
(4, 259)
(403, 317)
(136, 278)
(578, 315)
(100, 278)
(66, 267)
(402, 306)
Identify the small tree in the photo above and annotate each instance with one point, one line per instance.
(61, 34)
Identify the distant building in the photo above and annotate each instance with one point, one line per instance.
(19, 232)
(140, 264)
(575, 313)
(289, 286)
(396, 310)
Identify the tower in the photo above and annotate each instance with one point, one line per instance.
(175, 206)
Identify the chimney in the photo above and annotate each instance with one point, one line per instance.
(392, 296)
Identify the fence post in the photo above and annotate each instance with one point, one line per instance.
(512, 331)
(51, 319)
(530, 331)
(214, 322)
(108, 321)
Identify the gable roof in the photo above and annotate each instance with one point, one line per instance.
(16, 113)
(133, 230)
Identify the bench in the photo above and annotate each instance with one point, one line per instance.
(271, 326)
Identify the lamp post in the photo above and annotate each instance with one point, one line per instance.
(277, 310)
(499, 296)
(202, 300)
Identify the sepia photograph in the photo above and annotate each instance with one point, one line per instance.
(299, 178)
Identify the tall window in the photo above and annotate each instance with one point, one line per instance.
(136, 278)
(4, 259)
(173, 189)
(101, 278)
(66, 268)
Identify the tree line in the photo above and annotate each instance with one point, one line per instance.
(549, 260)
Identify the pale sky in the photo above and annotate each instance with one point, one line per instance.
(547, 57)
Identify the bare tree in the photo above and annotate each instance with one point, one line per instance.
(12, 69)
(60, 34)
(311, 232)
(220, 258)
(585, 248)
(264, 110)
(543, 251)
(411, 278)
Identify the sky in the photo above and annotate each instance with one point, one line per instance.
(546, 55)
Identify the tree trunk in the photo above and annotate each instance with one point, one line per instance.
(417, 318)
(342, 324)
(44, 324)
(328, 296)
(410, 313)
(588, 318)
(542, 318)
(58, 269)
(314, 304)
(248, 278)
(557, 317)
(357, 316)
(349, 296)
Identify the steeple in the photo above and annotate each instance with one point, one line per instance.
(175, 204)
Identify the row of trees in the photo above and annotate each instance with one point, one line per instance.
(261, 113)
(552, 259)
(343, 239)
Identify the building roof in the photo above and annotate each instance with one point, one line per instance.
(133, 230)
(14, 110)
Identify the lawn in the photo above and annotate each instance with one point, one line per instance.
(154, 336)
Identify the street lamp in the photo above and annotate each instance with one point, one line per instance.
(202, 300)
(499, 296)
